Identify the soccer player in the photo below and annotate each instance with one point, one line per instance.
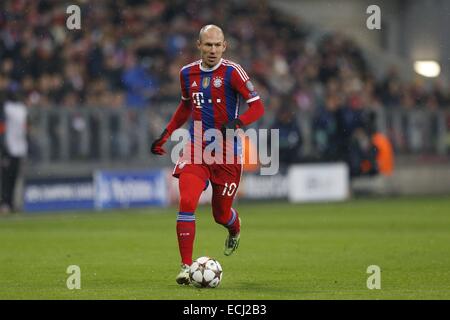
(211, 88)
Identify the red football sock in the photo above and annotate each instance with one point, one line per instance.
(186, 236)
(234, 226)
(191, 187)
(224, 214)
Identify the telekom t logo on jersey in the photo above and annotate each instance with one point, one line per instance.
(198, 99)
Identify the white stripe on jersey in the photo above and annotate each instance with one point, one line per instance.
(252, 99)
(235, 64)
(242, 73)
(242, 70)
(183, 98)
(238, 68)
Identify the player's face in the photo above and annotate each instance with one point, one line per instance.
(211, 46)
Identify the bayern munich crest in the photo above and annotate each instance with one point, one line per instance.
(217, 81)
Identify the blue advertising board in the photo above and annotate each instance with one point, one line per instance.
(57, 194)
(130, 189)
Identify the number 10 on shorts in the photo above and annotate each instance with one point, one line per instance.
(229, 190)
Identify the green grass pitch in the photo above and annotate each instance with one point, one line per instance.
(289, 252)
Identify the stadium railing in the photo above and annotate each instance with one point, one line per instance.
(82, 139)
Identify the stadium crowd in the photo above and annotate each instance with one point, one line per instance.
(128, 54)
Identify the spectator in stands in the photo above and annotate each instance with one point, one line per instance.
(13, 143)
(390, 89)
(290, 136)
(325, 128)
(382, 146)
(140, 85)
(362, 159)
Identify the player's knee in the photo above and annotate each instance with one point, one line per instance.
(188, 204)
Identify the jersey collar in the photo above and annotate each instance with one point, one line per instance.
(213, 68)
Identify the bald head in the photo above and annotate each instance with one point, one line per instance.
(210, 30)
(211, 44)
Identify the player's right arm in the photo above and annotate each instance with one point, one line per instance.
(179, 118)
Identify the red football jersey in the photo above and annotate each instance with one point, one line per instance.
(214, 94)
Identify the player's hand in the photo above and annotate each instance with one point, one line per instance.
(158, 143)
(233, 124)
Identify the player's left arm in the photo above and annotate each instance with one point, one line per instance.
(242, 84)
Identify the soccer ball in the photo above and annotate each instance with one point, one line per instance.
(205, 272)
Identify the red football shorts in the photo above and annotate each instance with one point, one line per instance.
(224, 178)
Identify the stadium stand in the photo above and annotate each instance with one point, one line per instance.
(127, 56)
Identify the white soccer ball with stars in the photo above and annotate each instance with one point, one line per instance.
(205, 272)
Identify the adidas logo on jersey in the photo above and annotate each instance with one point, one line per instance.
(194, 84)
